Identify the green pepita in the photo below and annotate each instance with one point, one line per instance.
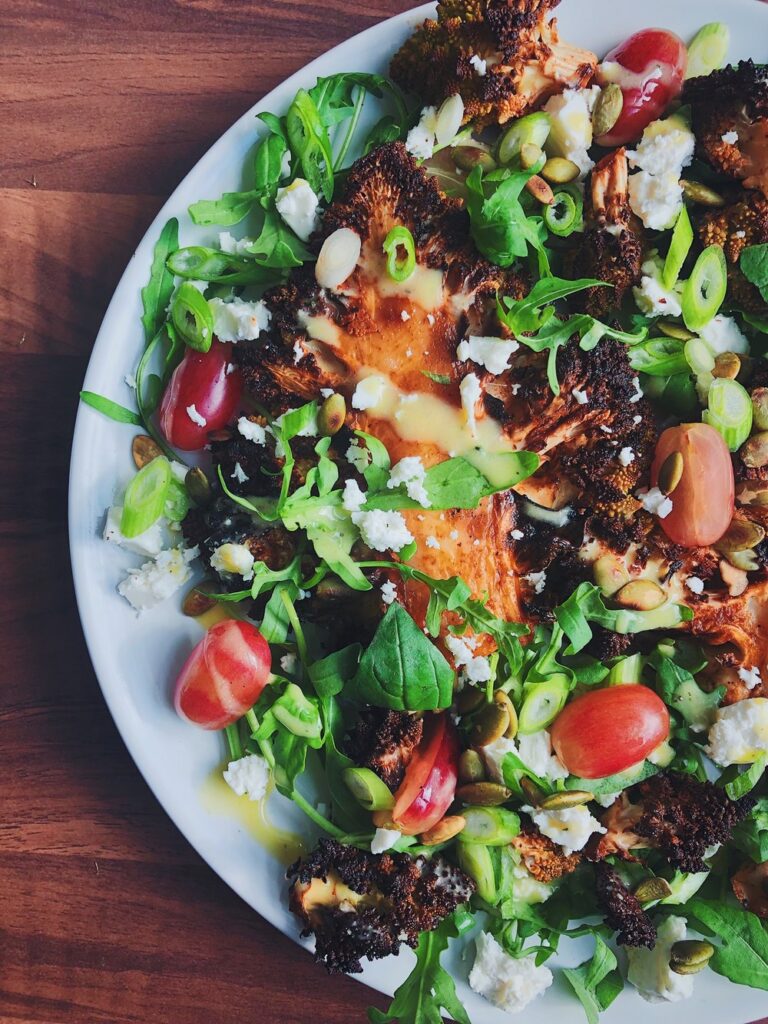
(652, 889)
(690, 955)
(502, 699)
(741, 535)
(469, 699)
(607, 110)
(674, 330)
(754, 451)
(642, 595)
(701, 194)
(484, 794)
(331, 415)
(567, 798)
(558, 170)
(490, 725)
(198, 486)
(467, 158)
(471, 767)
(533, 793)
(760, 408)
(144, 449)
(671, 472)
(530, 154)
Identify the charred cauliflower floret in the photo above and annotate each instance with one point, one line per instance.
(623, 911)
(729, 111)
(611, 249)
(384, 741)
(543, 858)
(675, 814)
(360, 905)
(525, 61)
(735, 227)
(222, 522)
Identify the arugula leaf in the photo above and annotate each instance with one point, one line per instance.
(276, 245)
(429, 988)
(532, 312)
(109, 408)
(754, 265)
(597, 981)
(200, 263)
(743, 955)
(310, 144)
(499, 225)
(401, 669)
(678, 688)
(156, 293)
(285, 749)
(751, 835)
(386, 129)
(230, 208)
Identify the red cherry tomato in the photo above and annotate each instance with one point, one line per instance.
(224, 675)
(607, 731)
(200, 380)
(429, 786)
(702, 503)
(650, 68)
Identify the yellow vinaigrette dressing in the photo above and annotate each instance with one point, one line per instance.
(217, 798)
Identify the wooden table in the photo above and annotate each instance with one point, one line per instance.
(106, 914)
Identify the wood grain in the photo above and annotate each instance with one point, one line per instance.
(106, 914)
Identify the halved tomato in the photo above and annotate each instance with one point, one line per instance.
(429, 786)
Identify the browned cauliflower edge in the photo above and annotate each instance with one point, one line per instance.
(623, 911)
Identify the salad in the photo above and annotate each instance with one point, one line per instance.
(459, 448)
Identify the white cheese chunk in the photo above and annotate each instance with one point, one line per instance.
(149, 543)
(410, 473)
(353, 497)
(248, 776)
(649, 969)
(388, 592)
(750, 677)
(420, 141)
(656, 502)
(156, 581)
(471, 393)
(238, 320)
(569, 828)
(368, 392)
(652, 297)
(508, 982)
(252, 431)
(384, 839)
(297, 205)
(233, 559)
(492, 353)
(383, 531)
(722, 334)
(571, 133)
(473, 668)
(740, 732)
(480, 65)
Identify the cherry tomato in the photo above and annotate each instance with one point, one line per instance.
(224, 675)
(650, 68)
(201, 381)
(607, 731)
(702, 503)
(429, 786)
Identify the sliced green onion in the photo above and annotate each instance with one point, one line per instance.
(489, 826)
(679, 247)
(729, 411)
(659, 357)
(368, 789)
(543, 703)
(145, 497)
(192, 317)
(197, 263)
(708, 49)
(533, 128)
(564, 215)
(699, 356)
(400, 269)
(477, 862)
(704, 291)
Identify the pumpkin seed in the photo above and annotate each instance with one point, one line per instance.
(471, 767)
(652, 889)
(533, 793)
(469, 699)
(530, 154)
(331, 415)
(566, 798)
(701, 194)
(197, 603)
(741, 535)
(754, 451)
(540, 190)
(490, 725)
(727, 365)
(744, 560)
(761, 497)
(674, 330)
(607, 109)
(671, 472)
(444, 830)
(690, 953)
(484, 794)
(610, 574)
(198, 486)
(642, 595)
(559, 171)
(502, 699)
(467, 158)
(760, 408)
(144, 449)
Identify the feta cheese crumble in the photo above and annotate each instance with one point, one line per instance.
(248, 776)
(195, 416)
(571, 133)
(508, 982)
(750, 677)
(535, 751)
(722, 334)
(353, 497)
(233, 246)
(740, 732)
(538, 580)
(368, 392)
(649, 969)
(156, 581)
(433, 542)
(404, 315)
(492, 353)
(656, 502)
(384, 839)
(580, 396)
(358, 456)
(470, 392)
(410, 473)
(474, 668)
(239, 320)
(289, 663)
(149, 543)
(297, 205)
(730, 138)
(388, 592)
(252, 431)
(695, 584)
(570, 828)
(383, 531)
(626, 456)
(233, 559)
(655, 192)
(239, 474)
(638, 391)
(651, 296)
(480, 65)
(516, 534)
(420, 141)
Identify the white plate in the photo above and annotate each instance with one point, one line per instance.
(136, 659)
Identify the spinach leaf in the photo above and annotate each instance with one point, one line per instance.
(401, 669)
(751, 835)
(743, 955)
(754, 264)
(678, 688)
(499, 225)
(596, 982)
(329, 675)
(429, 988)
(156, 293)
(115, 412)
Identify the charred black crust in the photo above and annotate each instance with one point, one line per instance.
(623, 911)
(406, 896)
(615, 259)
(223, 522)
(384, 741)
(682, 816)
